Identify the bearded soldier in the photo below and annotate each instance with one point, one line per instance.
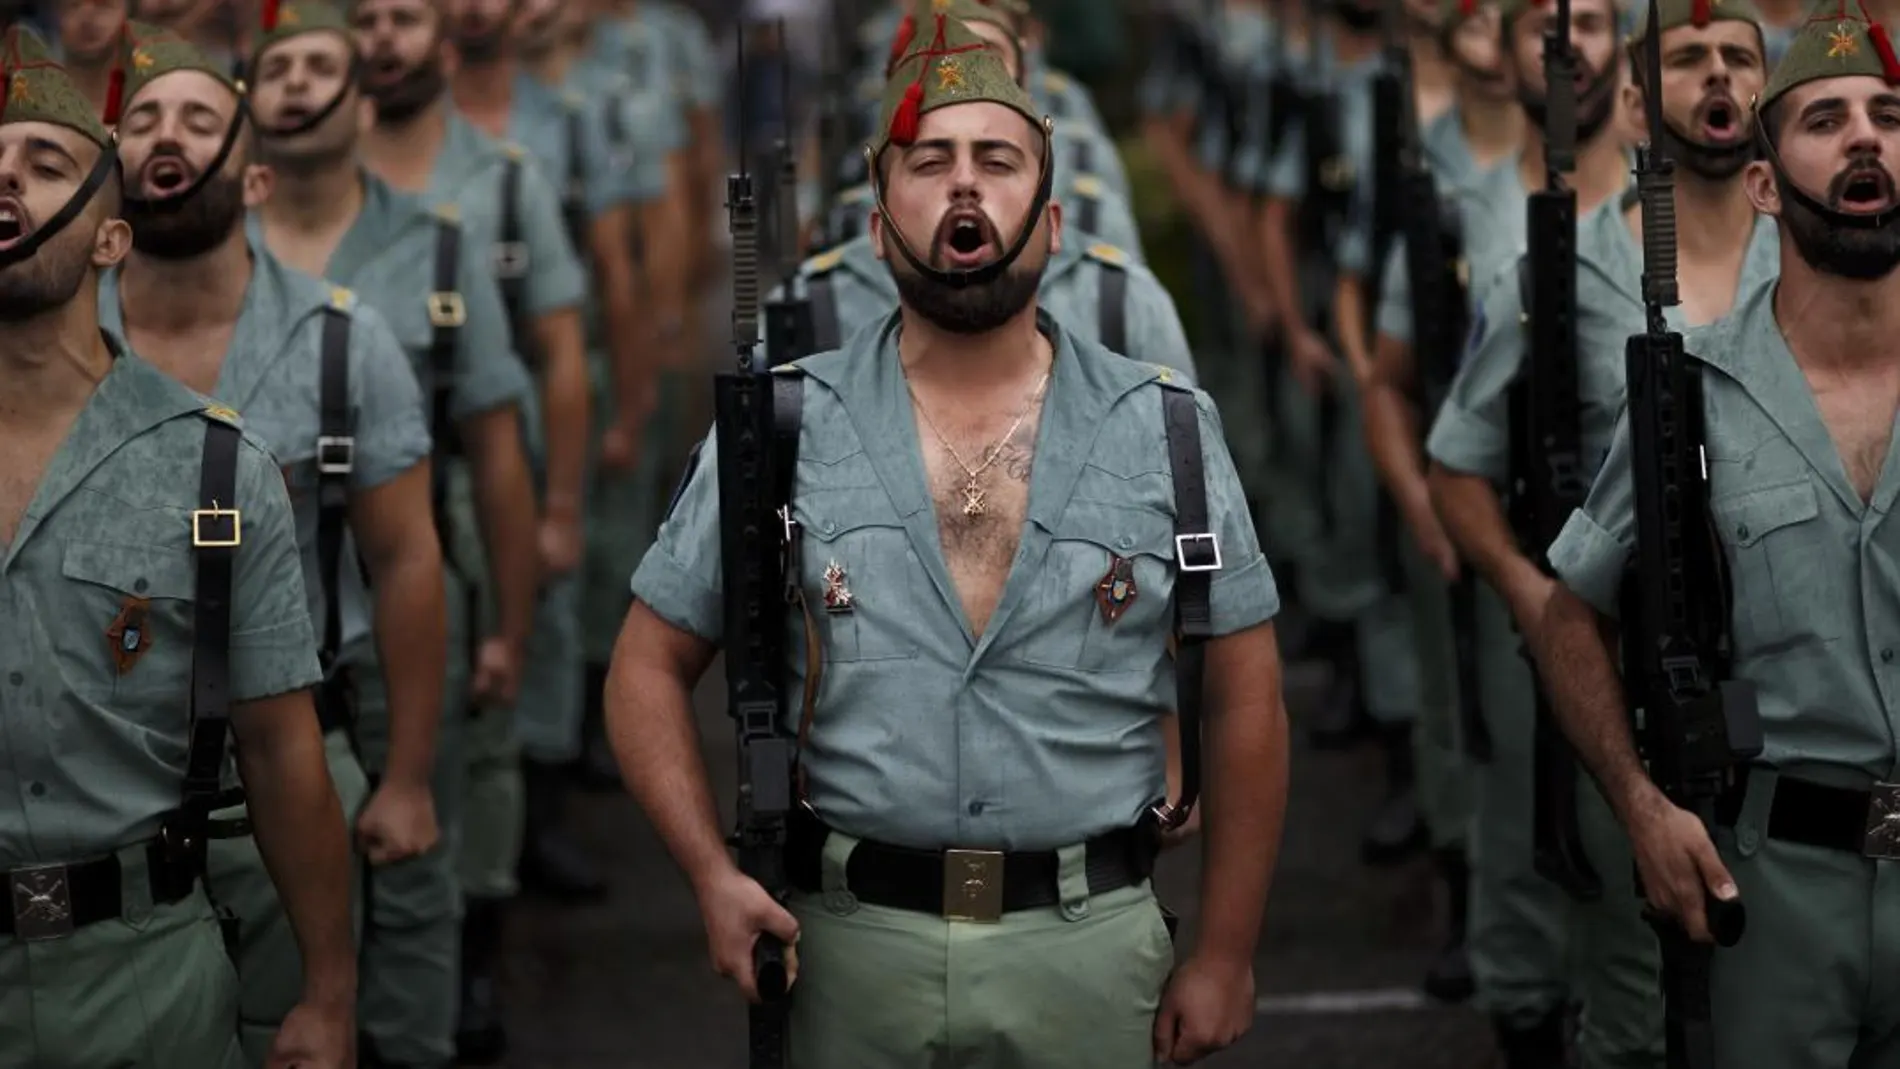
(987, 508)
(152, 598)
(214, 309)
(1797, 399)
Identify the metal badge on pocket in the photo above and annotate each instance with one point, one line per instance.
(128, 637)
(1117, 589)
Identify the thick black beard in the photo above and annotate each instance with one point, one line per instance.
(1713, 163)
(50, 278)
(971, 309)
(1845, 252)
(1594, 108)
(192, 227)
(1357, 18)
(403, 99)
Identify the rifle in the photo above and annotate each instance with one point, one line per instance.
(1698, 729)
(1549, 481)
(755, 542)
(788, 323)
(1329, 193)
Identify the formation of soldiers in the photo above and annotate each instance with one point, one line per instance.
(351, 348)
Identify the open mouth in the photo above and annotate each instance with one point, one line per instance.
(1866, 190)
(964, 239)
(1721, 121)
(295, 115)
(386, 71)
(13, 226)
(166, 176)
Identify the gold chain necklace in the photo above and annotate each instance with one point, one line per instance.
(973, 495)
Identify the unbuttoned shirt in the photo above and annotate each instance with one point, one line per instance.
(1814, 572)
(272, 375)
(94, 737)
(1472, 432)
(1044, 730)
(863, 293)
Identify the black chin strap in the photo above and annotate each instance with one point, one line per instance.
(993, 270)
(1832, 216)
(101, 170)
(350, 81)
(171, 202)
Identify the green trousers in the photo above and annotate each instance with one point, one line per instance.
(1444, 776)
(155, 989)
(268, 960)
(409, 970)
(623, 512)
(493, 817)
(1070, 985)
(1532, 946)
(1815, 980)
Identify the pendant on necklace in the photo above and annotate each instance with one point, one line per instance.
(972, 498)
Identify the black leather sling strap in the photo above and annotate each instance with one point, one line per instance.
(1084, 156)
(1089, 215)
(447, 316)
(824, 312)
(511, 259)
(336, 461)
(1111, 308)
(574, 196)
(1197, 557)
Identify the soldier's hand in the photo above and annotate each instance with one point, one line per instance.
(1311, 360)
(1678, 863)
(737, 913)
(1209, 1004)
(315, 1037)
(1429, 531)
(559, 540)
(620, 446)
(497, 673)
(398, 823)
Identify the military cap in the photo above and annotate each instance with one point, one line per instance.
(148, 53)
(923, 11)
(1513, 9)
(1452, 13)
(951, 65)
(1834, 43)
(1674, 13)
(35, 88)
(293, 18)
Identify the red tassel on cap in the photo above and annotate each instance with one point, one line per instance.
(1889, 65)
(908, 116)
(269, 18)
(6, 83)
(1701, 12)
(115, 95)
(1467, 8)
(906, 33)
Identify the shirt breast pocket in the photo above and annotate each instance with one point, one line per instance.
(129, 647)
(859, 575)
(1105, 560)
(1784, 589)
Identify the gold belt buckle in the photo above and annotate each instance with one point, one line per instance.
(973, 885)
(216, 528)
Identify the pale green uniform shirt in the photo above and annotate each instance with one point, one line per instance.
(685, 37)
(1472, 433)
(1815, 573)
(1044, 731)
(1071, 292)
(272, 375)
(1448, 155)
(95, 756)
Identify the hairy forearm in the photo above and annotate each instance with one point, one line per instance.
(504, 492)
(1572, 649)
(650, 725)
(1474, 517)
(564, 403)
(306, 849)
(1246, 793)
(412, 638)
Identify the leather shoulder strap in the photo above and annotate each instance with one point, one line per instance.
(1197, 557)
(1112, 309)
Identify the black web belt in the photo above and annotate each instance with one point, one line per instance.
(1854, 820)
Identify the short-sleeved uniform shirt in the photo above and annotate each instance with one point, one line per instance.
(95, 739)
(1045, 730)
(272, 375)
(1815, 573)
(1448, 154)
(684, 36)
(1473, 431)
(863, 292)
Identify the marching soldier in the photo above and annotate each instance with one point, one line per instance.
(325, 380)
(89, 36)
(433, 283)
(153, 599)
(996, 671)
(1398, 383)
(1795, 409)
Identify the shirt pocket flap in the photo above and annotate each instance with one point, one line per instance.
(142, 571)
(1123, 530)
(1748, 518)
(828, 515)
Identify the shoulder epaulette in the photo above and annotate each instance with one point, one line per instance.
(341, 298)
(1108, 254)
(790, 368)
(1086, 184)
(824, 261)
(573, 99)
(1164, 373)
(448, 211)
(1055, 82)
(513, 151)
(222, 413)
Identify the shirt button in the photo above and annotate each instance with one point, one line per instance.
(1126, 542)
(15, 678)
(1742, 531)
(38, 789)
(976, 809)
(1886, 655)
(139, 586)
